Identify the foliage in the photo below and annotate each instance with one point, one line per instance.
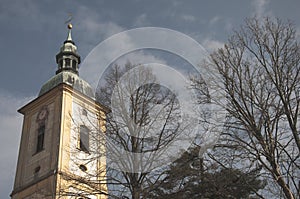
(189, 178)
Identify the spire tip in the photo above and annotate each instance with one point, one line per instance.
(70, 26)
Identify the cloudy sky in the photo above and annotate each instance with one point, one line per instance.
(32, 32)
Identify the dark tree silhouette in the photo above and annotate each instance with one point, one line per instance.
(189, 177)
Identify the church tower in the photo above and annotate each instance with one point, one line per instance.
(62, 144)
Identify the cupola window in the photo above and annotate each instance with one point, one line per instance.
(61, 63)
(68, 62)
(74, 65)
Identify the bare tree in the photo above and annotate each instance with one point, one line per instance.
(143, 120)
(260, 72)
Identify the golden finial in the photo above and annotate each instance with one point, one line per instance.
(70, 26)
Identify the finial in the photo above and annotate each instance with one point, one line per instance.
(70, 26)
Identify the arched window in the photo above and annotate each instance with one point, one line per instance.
(84, 140)
(40, 138)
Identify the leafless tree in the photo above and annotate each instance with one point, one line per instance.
(260, 71)
(144, 118)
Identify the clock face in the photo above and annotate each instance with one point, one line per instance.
(43, 114)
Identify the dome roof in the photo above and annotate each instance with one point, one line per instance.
(71, 79)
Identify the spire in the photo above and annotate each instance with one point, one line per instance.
(68, 59)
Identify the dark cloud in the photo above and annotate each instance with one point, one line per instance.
(32, 32)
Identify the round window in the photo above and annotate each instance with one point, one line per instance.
(82, 167)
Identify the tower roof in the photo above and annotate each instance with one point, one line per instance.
(71, 79)
(68, 61)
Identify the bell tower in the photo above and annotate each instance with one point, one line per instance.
(61, 137)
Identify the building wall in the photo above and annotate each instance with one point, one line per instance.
(28, 162)
(60, 156)
(71, 157)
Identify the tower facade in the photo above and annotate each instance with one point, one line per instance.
(62, 143)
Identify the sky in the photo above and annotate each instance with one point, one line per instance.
(32, 31)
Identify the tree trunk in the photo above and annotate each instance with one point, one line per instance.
(278, 177)
(136, 194)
